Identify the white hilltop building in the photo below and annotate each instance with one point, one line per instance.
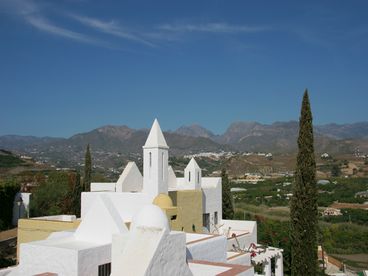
(150, 224)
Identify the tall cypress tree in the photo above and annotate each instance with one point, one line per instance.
(87, 170)
(76, 195)
(227, 200)
(303, 208)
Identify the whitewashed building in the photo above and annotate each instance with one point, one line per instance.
(148, 225)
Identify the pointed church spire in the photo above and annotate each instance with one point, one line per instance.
(193, 174)
(155, 138)
(193, 164)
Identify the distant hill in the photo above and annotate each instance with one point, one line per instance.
(344, 131)
(18, 141)
(9, 160)
(112, 144)
(126, 140)
(281, 137)
(194, 131)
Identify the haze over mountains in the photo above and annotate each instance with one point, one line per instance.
(117, 141)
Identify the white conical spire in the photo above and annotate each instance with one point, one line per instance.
(193, 174)
(155, 138)
(192, 164)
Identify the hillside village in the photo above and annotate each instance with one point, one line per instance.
(255, 188)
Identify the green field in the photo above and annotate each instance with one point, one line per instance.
(345, 237)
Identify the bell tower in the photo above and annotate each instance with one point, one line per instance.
(155, 162)
(193, 175)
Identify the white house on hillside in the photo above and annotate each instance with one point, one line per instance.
(151, 224)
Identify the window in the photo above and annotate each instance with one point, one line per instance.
(216, 218)
(150, 159)
(206, 221)
(104, 269)
(163, 156)
(189, 177)
(197, 177)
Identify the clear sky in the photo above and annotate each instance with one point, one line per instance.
(71, 66)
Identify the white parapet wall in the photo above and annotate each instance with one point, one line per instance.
(206, 247)
(68, 218)
(103, 187)
(244, 230)
(65, 257)
(127, 204)
(238, 258)
(203, 268)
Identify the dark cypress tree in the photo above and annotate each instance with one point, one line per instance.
(227, 200)
(303, 207)
(76, 195)
(87, 170)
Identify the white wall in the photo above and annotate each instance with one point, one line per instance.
(213, 249)
(240, 225)
(210, 270)
(100, 222)
(103, 187)
(155, 172)
(193, 175)
(239, 258)
(90, 259)
(131, 179)
(170, 257)
(172, 180)
(149, 251)
(127, 204)
(212, 199)
(35, 258)
(64, 258)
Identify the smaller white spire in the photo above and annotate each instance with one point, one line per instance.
(193, 174)
(192, 164)
(155, 138)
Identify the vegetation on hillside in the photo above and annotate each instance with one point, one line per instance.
(358, 216)
(58, 194)
(9, 187)
(227, 199)
(273, 230)
(274, 192)
(9, 160)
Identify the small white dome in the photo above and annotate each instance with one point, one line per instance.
(150, 216)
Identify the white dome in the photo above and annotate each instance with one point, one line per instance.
(150, 216)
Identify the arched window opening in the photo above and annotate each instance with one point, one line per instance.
(162, 167)
(189, 177)
(150, 159)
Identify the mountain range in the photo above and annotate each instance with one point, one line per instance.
(114, 141)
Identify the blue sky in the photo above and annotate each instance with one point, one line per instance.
(71, 66)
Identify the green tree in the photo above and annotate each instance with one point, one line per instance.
(303, 207)
(76, 191)
(335, 170)
(9, 187)
(50, 197)
(227, 200)
(87, 170)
